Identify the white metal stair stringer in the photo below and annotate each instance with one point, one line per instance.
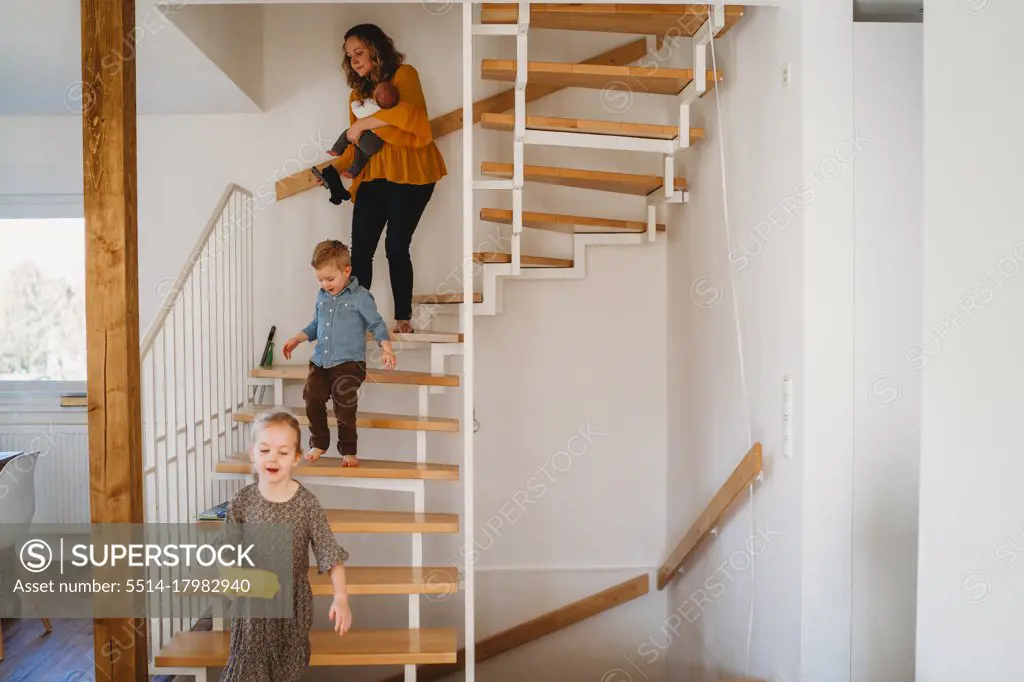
(494, 274)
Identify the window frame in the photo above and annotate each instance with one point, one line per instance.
(38, 393)
(42, 206)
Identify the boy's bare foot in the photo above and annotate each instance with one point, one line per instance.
(349, 461)
(313, 455)
(403, 327)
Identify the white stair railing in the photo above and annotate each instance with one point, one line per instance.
(196, 356)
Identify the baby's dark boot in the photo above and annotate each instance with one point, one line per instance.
(330, 177)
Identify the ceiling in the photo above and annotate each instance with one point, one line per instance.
(41, 73)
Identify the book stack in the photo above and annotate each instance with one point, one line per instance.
(218, 513)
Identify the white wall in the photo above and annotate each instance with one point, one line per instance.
(827, 388)
(887, 429)
(563, 354)
(970, 584)
(708, 414)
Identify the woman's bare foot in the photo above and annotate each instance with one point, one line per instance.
(403, 327)
(349, 461)
(314, 454)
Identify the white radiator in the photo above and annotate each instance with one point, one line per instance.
(62, 469)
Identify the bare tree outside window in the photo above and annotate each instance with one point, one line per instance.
(42, 303)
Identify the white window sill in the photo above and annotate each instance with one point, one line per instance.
(36, 396)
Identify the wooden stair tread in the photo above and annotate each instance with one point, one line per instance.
(431, 299)
(597, 76)
(635, 184)
(648, 19)
(364, 420)
(330, 467)
(368, 521)
(376, 376)
(647, 131)
(558, 222)
(525, 261)
(358, 647)
(422, 337)
(389, 580)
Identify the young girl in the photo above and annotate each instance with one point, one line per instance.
(277, 650)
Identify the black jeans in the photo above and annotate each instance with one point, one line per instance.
(380, 202)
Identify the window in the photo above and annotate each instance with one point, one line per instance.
(42, 299)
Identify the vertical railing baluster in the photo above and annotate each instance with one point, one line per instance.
(194, 378)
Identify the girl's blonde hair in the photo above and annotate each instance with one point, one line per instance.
(278, 419)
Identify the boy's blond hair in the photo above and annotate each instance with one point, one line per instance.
(331, 251)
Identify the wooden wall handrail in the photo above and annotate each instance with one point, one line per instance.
(538, 627)
(741, 477)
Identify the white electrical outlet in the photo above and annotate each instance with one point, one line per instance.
(786, 74)
(787, 417)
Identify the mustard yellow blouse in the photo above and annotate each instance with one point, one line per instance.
(409, 156)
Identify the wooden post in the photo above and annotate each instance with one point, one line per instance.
(112, 302)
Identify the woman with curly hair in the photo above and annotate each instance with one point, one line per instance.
(396, 183)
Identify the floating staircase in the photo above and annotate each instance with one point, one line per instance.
(230, 418)
(698, 23)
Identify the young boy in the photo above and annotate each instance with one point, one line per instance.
(344, 311)
(385, 96)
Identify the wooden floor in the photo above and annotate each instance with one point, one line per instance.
(65, 655)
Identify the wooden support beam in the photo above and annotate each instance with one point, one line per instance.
(742, 476)
(534, 629)
(452, 121)
(112, 302)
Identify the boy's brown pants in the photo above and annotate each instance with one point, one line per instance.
(341, 385)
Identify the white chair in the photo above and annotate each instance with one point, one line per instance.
(17, 508)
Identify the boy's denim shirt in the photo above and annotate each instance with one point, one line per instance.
(339, 325)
